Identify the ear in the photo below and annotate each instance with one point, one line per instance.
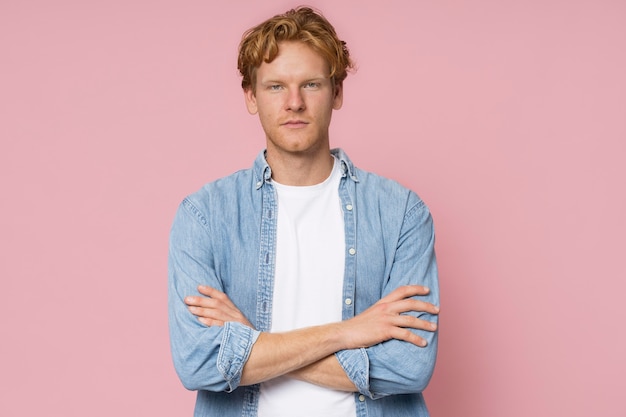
(338, 97)
(250, 98)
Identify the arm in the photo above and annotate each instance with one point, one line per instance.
(307, 353)
(216, 308)
(394, 366)
(207, 358)
(326, 372)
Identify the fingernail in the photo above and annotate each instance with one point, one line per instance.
(436, 309)
(423, 343)
(433, 326)
(426, 289)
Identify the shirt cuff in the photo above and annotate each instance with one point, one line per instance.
(355, 363)
(237, 342)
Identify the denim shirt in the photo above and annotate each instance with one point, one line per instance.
(224, 236)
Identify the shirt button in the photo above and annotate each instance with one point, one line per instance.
(361, 397)
(259, 183)
(351, 251)
(348, 301)
(349, 207)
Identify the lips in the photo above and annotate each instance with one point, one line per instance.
(295, 123)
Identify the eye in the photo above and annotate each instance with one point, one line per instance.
(274, 87)
(312, 84)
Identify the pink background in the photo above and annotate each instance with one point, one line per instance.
(507, 117)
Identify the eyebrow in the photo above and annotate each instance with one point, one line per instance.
(308, 80)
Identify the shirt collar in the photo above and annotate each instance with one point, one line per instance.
(347, 168)
(263, 172)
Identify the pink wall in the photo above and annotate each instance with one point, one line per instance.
(507, 117)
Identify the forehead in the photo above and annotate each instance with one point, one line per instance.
(295, 60)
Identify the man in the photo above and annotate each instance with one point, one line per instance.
(303, 286)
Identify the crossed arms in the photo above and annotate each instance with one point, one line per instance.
(308, 354)
(380, 351)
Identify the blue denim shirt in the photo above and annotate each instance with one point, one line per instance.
(224, 236)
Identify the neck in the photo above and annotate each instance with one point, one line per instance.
(300, 169)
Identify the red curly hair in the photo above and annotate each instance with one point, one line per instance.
(303, 24)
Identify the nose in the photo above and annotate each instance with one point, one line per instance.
(295, 101)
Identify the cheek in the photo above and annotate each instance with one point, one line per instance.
(264, 114)
(266, 108)
(266, 120)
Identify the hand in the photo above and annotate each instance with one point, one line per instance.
(215, 309)
(384, 320)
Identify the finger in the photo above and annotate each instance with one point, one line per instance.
(408, 336)
(205, 302)
(216, 294)
(219, 315)
(213, 293)
(405, 291)
(200, 301)
(207, 313)
(407, 305)
(405, 321)
(210, 322)
(209, 302)
(192, 301)
(209, 291)
(215, 305)
(210, 314)
(413, 290)
(419, 306)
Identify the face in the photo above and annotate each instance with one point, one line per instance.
(294, 99)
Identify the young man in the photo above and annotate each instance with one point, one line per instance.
(302, 286)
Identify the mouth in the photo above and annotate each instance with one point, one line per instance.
(295, 124)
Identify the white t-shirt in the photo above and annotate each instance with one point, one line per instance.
(308, 286)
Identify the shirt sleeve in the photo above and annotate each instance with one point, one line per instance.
(205, 358)
(398, 367)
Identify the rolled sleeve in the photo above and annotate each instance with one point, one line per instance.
(237, 341)
(398, 367)
(355, 363)
(205, 358)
